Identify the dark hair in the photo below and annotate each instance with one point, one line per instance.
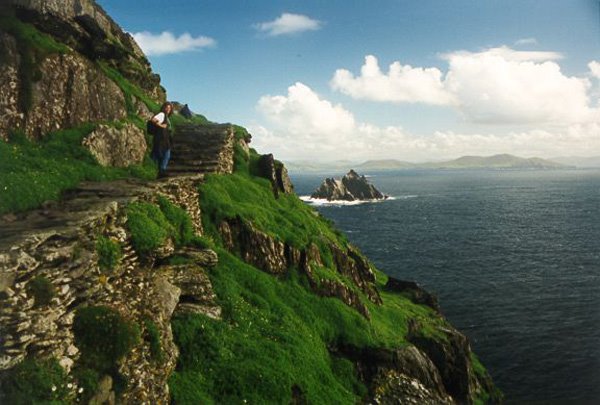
(163, 108)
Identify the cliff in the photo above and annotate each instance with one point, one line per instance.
(214, 285)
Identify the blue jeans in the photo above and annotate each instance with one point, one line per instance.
(164, 160)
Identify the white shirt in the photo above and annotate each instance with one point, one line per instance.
(160, 117)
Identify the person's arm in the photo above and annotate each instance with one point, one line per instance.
(157, 122)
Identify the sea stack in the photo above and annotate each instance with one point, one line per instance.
(352, 187)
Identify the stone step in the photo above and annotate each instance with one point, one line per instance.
(192, 169)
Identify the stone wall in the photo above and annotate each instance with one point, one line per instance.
(59, 243)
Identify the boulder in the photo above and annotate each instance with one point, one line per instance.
(119, 147)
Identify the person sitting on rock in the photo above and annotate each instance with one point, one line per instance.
(160, 128)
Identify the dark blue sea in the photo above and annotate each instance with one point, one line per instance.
(514, 257)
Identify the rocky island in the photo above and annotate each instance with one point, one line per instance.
(214, 285)
(352, 187)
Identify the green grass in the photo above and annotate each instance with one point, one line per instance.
(129, 89)
(109, 253)
(152, 335)
(35, 381)
(275, 333)
(34, 172)
(103, 336)
(151, 224)
(148, 226)
(287, 218)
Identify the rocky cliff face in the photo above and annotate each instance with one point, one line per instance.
(60, 80)
(351, 187)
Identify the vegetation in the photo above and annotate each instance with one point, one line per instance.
(152, 336)
(103, 336)
(34, 172)
(42, 290)
(180, 221)
(150, 225)
(35, 381)
(276, 334)
(286, 218)
(109, 253)
(130, 90)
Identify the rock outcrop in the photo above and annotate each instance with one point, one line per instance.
(276, 257)
(351, 187)
(119, 147)
(70, 91)
(276, 173)
(45, 88)
(413, 291)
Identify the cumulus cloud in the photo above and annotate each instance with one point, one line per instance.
(303, 125)
(402, 83)
(167, 43)
(501, 85)
(495, 86)
(526, 41)
(288, 23)
(594, 69)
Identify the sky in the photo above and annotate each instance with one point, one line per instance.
(386, 79)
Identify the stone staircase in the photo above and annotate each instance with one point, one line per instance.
(202, 149)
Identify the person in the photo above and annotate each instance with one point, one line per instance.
(160, 127)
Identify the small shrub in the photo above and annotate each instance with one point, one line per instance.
(88, 379)
(103, 336)
(109, 253)
(35, 381)
(42, 290)
(148, 226)
(153, 338)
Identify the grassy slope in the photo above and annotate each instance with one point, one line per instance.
(275, 333)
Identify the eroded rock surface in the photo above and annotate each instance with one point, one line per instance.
(118, 147)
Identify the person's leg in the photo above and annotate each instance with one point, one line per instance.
(165, 160)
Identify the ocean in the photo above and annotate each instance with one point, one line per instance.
(513, 256)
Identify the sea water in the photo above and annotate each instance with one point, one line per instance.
(514, 257)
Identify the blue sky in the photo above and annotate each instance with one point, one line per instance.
(471, 77)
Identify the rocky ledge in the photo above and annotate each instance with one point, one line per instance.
(352, 187)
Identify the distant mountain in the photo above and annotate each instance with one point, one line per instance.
(503, 161)
(389, 164)
(591, 161)
(300, 166)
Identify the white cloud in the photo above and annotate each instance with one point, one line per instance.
(167, 43)
(302, 125)
(594, 69)
(402, 83)
(495, 86)
(503, 86)
(526, 41)
(303, 112)
(288, 23)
